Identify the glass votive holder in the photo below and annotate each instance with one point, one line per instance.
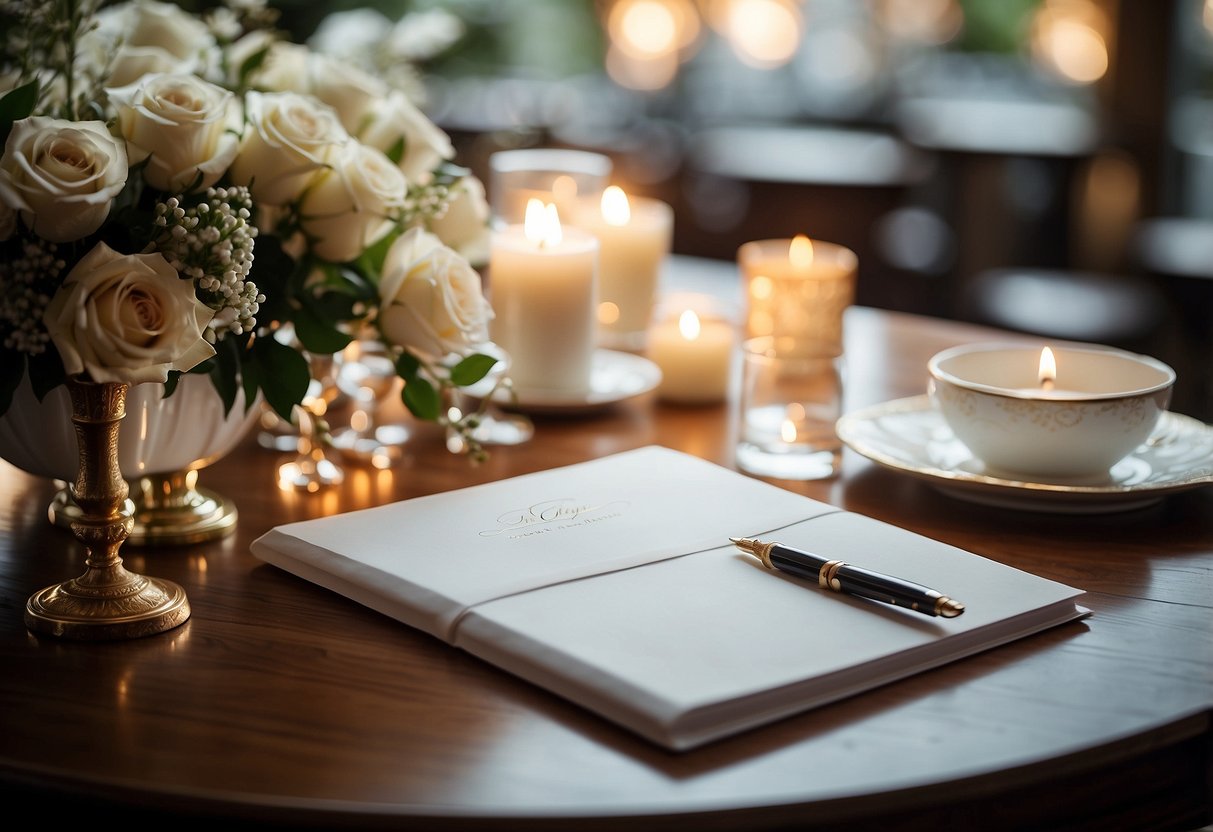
(789, 405)
(554, 175)
(798, 290)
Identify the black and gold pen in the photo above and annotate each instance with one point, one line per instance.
(854, 580)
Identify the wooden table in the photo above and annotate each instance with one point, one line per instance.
(282, 703)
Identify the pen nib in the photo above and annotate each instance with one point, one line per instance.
(746, 544)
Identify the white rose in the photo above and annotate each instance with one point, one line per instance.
(352, 92)
(352, 35)
(425, 144)
(127, 317)
(131, 40)
(183, 123)
(284, 68)
(349, 207)
(464, 226)
(432, 300)
(290, 137)
(169, 27)
(61, 175)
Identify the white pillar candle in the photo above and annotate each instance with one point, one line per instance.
(695, 357)
(797, 291)
(635, 235)
(543, 287)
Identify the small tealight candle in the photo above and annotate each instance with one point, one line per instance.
(695, 357)
(543, 287)
(635, 234)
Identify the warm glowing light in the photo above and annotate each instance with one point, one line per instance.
(615, 207)
(787, 431)
(764, 33)
(608, 313)
(688, 325)
(800, 252)
(652, 73)
(1207, 16)
(643, 27)
(542, 223)
(1069, 37)
(761, 287)
(1048, 369)
(564, 188)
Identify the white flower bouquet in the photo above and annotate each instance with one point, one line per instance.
(148, 151)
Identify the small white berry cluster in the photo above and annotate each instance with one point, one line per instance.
(426, 202)
(27, 283)
(211, 243)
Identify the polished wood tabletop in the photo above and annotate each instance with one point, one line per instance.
(281, 703)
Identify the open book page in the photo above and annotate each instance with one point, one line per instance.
(613, 584)
(425, 561)
(693, 649)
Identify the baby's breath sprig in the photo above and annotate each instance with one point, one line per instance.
(426, 202)
(211, 243)
(27, 282)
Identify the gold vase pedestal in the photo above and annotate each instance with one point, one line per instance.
(106, 602)
(167, 510)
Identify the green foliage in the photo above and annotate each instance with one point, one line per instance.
(472, 369)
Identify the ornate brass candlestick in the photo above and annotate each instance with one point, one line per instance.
(107, 601)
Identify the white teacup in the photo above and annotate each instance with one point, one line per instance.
(1102, 404)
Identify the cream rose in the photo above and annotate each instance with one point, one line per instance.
(349, 207)
(62, 176)
(167, 26)
(284, 68)
(352, 92)
(135, 39)
(464, 226)
(432, 300)
(290, 137)
(425, 144)
(183, 123)
(127, 317)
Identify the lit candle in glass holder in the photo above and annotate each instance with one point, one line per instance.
(797, 290)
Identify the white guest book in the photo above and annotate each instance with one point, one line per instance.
(613, 583)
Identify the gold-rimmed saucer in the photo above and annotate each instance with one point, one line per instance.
(911, 436)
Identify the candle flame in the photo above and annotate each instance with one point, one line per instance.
(1047, 372)
(787, 431)
(801, 252)
(688, 325)
(542, 223)
(615, 207)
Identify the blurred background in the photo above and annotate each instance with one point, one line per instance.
(1042, 165)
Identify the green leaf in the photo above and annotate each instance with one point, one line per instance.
(396, 151)
(284, 375)
(18, 103)
(420, 397)
(471, 369)
(170, 384)
(370, 262)
(225, 372)
(251, 64)
(318, 335)
(407, 366)
(12, 370)
(274, 272)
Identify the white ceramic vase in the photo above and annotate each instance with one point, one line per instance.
(162, 444)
